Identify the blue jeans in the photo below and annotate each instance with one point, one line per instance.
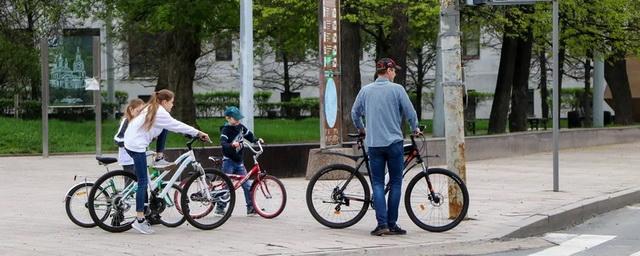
(161, 141)
(231, 167)
(140, 163)
(391, 156)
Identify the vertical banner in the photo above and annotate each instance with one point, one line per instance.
(330, 117)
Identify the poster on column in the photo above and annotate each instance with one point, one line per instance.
(70, 64)
(330, 73)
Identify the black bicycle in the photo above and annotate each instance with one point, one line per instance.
(436, 199)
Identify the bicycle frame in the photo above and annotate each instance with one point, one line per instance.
(413, 154)
(183, 161)
(255, 170)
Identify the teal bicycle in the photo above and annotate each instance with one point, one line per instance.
(112, 198)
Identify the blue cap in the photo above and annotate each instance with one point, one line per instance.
(233, 112)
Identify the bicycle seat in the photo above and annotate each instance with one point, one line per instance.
(106, 160)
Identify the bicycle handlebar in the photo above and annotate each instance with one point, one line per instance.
(193, 139)
(259, 152)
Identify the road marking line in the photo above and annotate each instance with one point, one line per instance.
(633, 207)
(558, 238)
(574, 245)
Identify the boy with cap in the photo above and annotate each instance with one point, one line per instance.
(232, 133)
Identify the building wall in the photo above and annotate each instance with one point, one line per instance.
(479, 74)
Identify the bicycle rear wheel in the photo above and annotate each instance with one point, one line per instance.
(77, 204)
(428, 196)
(202, 193)
(338, 196)
(269, 196)
(116, 212)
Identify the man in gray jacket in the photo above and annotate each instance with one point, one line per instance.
(383, 104)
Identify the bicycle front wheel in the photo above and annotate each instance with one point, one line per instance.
(116, 212)
(207, 201)
(437, 200)
(338, 196)
(269, 196)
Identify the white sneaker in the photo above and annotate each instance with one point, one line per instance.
(144, 227)
(161, 163)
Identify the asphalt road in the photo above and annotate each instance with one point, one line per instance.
(612, 234)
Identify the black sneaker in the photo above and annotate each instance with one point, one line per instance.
(380, 230)
(396, 230)
(251, 211)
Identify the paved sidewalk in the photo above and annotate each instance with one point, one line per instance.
(504, 193)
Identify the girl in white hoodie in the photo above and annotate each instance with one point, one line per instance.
(141, 130)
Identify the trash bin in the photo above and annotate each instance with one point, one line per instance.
(608, 119)
(573, 119)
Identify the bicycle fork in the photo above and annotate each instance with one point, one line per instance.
(432, 194)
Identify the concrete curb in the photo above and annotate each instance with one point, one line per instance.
(560, 218)
(574, 214)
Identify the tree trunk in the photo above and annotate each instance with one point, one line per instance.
(399, 39)
(420, 81)
(519, 92)
(177, 70)
(287, 78)
(500, 106)
(544, 91)
(586, 96)
(615, 72)
(350, 82)
(561, 57)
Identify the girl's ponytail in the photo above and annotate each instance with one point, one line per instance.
(154, 104)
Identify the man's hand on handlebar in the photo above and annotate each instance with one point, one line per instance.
(417, 132)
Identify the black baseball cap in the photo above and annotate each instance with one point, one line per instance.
(386, 63)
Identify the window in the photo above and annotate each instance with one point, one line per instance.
(470, 40)
(530, 103)
(224, 49)
(143, 55)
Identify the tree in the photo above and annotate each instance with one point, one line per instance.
(181, 29)
(421, 58)
(350, 81)
(22, 24)
(288, 28)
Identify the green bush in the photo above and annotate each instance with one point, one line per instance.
(31, 109)
(213, 104)
(28, 109)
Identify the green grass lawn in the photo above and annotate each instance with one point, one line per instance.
(24, 136)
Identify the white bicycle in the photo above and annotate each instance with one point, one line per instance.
(112, 198)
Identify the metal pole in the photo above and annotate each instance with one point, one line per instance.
(452, 87)
(111, 97)
(556, 79)
(598, 91)
(44, 90)
(97, 97)
(246, 62)
(438, 100)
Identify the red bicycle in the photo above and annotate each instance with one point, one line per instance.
(267, 192)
